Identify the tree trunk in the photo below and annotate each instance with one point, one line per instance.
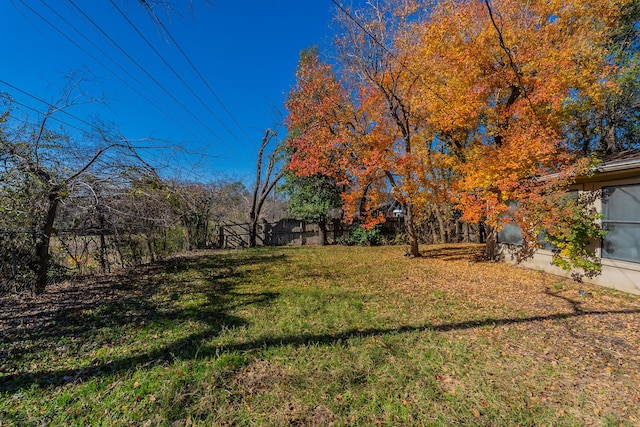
(253, 230)
(441, 225)
(491, 249)
(103, 243)
(323, 232)
(42, 245)
(262, 189)
(414, 250)
(152, 256)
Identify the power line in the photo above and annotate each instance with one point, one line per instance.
(54, 108)
(177, 101)
(193, 92)
(118, 76)
(51, 106)
(177, 45)
(48, 115)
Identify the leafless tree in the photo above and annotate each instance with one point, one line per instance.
(264, 184)
(45, 165)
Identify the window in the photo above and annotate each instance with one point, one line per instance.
(621, 211)
(510, 233)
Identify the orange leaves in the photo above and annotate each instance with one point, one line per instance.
(465, 100)
(503, 90)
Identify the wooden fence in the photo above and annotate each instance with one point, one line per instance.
(295, 232)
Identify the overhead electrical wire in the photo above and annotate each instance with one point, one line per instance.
(149, 150)
(103, 65)
(51, 106)
(164, 89)
(22, 104)
(89, 54)
(195, 69)
(54, 108)
(173, 70)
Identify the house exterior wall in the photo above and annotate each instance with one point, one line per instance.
(616, 274)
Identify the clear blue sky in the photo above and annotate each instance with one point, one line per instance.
(247, 52)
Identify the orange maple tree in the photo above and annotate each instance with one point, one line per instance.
(366, 132)
(502, 80)
(464, 100)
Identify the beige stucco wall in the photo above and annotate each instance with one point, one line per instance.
(621, 275)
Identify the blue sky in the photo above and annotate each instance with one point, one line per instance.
(246, 51)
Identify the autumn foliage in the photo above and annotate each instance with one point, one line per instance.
(459, 103)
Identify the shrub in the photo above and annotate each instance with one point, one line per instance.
(361, 236)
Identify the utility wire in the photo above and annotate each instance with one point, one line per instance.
(50, 117)
(177, 101)
(177, 45)
(51, 106)
(91, 125)
(173, 70)
(118, 76)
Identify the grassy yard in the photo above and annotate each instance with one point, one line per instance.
(322, 336)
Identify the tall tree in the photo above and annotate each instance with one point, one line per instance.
(502, 86)
(265, 182)
(366, 134)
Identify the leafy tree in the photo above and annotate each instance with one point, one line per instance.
(311, 198)
(467, 101)
(364, 134)
(502, 89)
(615, 126)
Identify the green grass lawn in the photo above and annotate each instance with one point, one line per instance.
(322, 336)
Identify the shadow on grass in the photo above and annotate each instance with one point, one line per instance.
(193, 346)
(85, 314)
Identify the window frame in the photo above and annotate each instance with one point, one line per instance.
(604, 254)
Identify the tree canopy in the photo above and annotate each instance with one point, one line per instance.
(466, 104)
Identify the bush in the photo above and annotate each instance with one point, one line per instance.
(361, 236)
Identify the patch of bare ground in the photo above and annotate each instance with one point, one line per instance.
(28, 311)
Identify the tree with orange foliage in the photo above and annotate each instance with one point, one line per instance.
(507, 75)
(367, 132)
(472, 100)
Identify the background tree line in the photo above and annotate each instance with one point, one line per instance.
(90, 201)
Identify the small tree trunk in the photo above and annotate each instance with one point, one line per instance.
(103, 244)
(42, 245)
(262, 189)
(152, 256)
(441, 225)
(323, 232)
(491, 249)
(253, 230)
